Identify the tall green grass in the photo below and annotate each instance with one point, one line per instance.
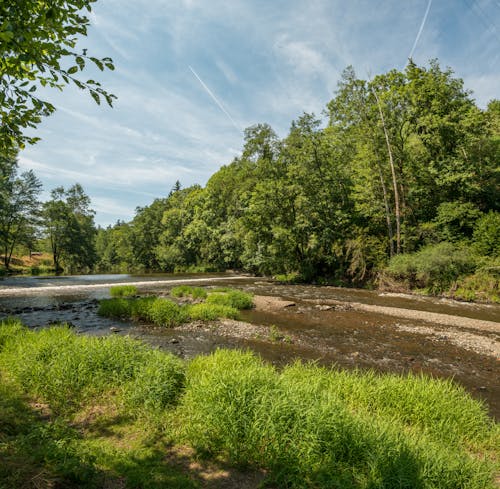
(67, 370)
(163, 312)
(232, 298)
(123, 291)
(189, 291)
(306, 426)
(311, 427)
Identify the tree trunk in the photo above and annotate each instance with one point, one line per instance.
(387, 212)
(393, 172)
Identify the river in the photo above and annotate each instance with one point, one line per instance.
(345, 328)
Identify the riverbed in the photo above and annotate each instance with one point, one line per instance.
(343, 328)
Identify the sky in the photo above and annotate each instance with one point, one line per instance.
(192, 74)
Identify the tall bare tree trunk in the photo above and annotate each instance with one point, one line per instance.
(387, 211)
(393, 172)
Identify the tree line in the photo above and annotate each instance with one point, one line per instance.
(400, 162)
(398, 165)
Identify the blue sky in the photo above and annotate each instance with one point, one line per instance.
(264, 61)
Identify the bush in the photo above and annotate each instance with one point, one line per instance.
(187, 290)
(482, 285)
(486, 235)
(123, 291)
(434, 267)
(232, 298)
(212, 312)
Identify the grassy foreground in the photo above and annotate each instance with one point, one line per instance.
(112, 412)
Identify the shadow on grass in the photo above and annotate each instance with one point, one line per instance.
(38, 452)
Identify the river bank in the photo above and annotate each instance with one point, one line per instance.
(333, 326)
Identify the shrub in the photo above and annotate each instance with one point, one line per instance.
(232, 298)
(187, 290)
(486, 236)
(211, 312)
(482, 285)
(123, 291)
(434, 267)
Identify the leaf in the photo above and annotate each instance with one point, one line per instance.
(96, 97)
(80, 62)
(72, 70)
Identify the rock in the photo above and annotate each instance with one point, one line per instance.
(324, 307)
(114, 329)
(289, 304)
(174, 341)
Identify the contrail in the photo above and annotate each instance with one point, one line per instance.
(421, 29)
(221, 107)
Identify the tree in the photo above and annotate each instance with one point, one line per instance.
(69, 225)
(19, 207)
(38, 46)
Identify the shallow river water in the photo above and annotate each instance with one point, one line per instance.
(347, 328)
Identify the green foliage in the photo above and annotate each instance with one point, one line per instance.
(434, 267)
(39, 49)
(19, 207)
(289, 278)
(164, 312)
(483, 285)
(212, 312)
(486, 237)
(189, 291)
(304, 426)
(123, 290)
(69, 226)
(406, 160)
(167, 313)
(311, 427)
(67, 370)
(455, 220)
(156, 385)
(232, 298)
(115, 308)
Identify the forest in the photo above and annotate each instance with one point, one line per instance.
(396, 185)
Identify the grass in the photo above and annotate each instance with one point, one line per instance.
(121, 406)
(311, 427)
(123, 291)
(212, 312)
(221, 303)
(189, 291)
(232, 298)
